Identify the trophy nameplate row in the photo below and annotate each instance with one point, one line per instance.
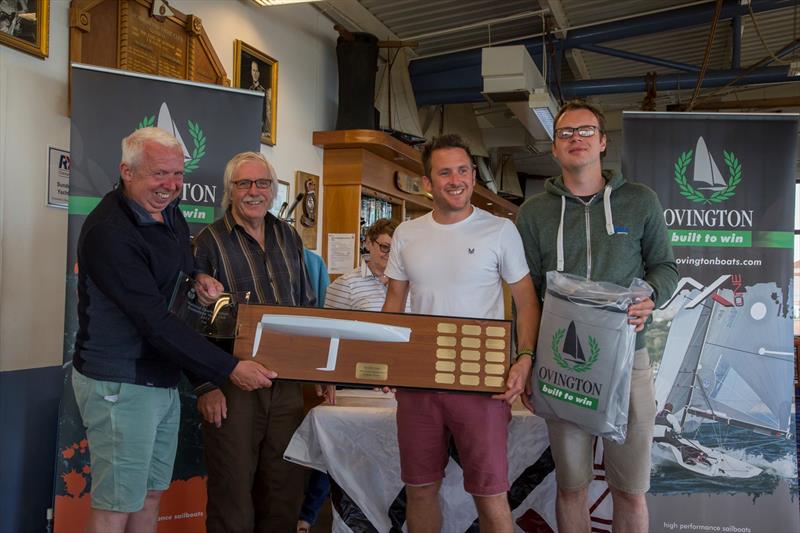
(380, 349)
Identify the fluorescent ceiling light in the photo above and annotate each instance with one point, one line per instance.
(544, 108)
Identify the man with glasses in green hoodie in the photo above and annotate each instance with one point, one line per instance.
(593, 223)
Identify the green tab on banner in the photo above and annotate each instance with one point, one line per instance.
(576, 398)
(82, 205)
(194, 214)
(773, 239)
(707, 237)
(198, 214)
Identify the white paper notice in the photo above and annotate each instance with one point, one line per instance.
(341, 252)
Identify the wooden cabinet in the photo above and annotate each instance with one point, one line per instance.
(360, 163)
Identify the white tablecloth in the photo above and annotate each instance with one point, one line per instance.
(356, 443)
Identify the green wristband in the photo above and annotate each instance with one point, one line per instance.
(529, 352)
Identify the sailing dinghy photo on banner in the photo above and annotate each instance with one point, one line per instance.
(722, 346)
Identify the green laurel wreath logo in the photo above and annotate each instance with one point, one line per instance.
(147, 122)
(198, 137)
(692, 194)
(199, 147)
(557, 336)
(594, 349)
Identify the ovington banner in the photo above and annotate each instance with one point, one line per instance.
(213, 124)
(724, 455)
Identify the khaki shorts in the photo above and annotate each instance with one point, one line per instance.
(628, 464)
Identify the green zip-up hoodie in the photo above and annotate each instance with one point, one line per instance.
(617, 236)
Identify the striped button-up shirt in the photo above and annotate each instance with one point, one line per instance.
(276, 275)
(360, 290)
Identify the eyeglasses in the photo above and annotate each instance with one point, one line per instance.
(582, 131)
(244, 185)
(384, 248)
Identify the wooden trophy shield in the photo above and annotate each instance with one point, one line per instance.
(381, 349)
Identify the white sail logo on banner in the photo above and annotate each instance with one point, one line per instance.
(166, 123)
(706, 175)
(706, 170)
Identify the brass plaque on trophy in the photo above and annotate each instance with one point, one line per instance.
(382, 349)
(136, 36)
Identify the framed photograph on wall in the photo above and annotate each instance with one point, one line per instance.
(256, 71)
(305, 216)
(24, 25)
(281, 197)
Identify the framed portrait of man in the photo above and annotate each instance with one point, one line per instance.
(256, 71)
(24, 25)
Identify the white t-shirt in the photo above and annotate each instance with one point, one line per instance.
(455, 269)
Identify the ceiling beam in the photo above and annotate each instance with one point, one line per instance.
(442, 79)
(762, 103)
(355, 17)
(613, 52)
(633, 84)
(574, 56)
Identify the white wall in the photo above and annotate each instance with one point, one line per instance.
(33, 104)
(304, 43)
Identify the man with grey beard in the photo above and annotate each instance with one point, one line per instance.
(250, 486)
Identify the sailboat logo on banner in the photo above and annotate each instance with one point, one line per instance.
(708, 185)
(166, 123)
(571, 355)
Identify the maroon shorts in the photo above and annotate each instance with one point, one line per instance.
(479, 426)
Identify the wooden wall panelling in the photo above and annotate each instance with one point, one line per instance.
(341, 198)
(341, 213)
(92, 26)
(379, 173)
(111, 33)
(342, 167)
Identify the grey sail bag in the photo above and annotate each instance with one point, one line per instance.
(584, 357)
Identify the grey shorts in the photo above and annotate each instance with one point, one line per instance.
(627, 465)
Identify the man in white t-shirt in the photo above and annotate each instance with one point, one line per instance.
(452, 262)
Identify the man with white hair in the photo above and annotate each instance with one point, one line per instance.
(250, 486)
(130, 350)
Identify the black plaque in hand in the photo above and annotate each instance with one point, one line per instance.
(216, 319)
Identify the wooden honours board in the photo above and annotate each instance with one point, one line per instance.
(383, 349)
(127, 35)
